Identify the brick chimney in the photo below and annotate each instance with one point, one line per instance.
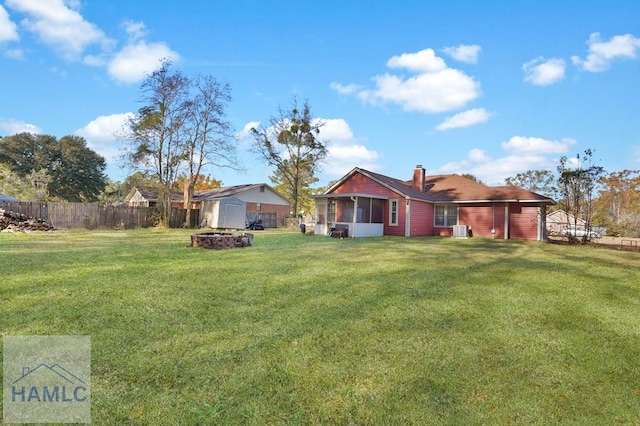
(418, 178)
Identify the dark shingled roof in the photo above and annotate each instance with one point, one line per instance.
(451, 189)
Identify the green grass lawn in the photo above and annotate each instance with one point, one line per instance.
(308, 330)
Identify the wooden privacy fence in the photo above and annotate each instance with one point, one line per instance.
(85, 215)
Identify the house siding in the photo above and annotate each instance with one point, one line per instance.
(523, 222)
(399, 229)
(421, 214)
(482, 218)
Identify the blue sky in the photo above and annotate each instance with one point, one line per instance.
(491, 88)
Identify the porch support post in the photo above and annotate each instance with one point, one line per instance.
(407, 218)
(506, 221)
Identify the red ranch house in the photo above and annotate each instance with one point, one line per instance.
(369, 204)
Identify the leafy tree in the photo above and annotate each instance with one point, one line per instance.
(577, 186)
(291, 145)
(26, 152)
(305, 202)
(32, 187)
(618, 204)
(180, 128)
(542, 182)
(79, 175)
(68, 169)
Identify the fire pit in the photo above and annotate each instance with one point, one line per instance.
(221, 240)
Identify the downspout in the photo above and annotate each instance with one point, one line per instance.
(493, 220)
(506, 220)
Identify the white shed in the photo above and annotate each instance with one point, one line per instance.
(223, 213)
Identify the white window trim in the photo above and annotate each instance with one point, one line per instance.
(446, 206)
(397, 204)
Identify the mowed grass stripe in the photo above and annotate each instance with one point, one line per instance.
(317, 330)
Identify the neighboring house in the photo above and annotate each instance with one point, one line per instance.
(261, 200)
(144, 196)
(371, 204)
(559, 220)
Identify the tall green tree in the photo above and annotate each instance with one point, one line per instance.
(79, 175)
(65, 170)
(305, 202)
(542, 182)
(291, 144)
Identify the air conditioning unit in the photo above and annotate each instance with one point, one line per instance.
(460, 231)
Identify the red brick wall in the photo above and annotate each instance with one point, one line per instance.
(280, 210)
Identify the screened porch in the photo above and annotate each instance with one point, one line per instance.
(362, 215)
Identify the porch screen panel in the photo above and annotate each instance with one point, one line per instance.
(345, 211)
(364, 210)
(377, 211)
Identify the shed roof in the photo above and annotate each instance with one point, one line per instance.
(230, 191)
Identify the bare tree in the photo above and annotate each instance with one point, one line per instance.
(210, 139)
(181, 128)
(577, 185)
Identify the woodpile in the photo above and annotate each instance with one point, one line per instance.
(219, 241)
(18, 222)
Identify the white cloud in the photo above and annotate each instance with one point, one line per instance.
(602, 53)
(246, 130)
(343, 150)
(335, 129)
(432, 88)
(422, 61)
(14, 53)
(135, 30)
(342, 158)
(135, 61)
(465, 119)
(520, 154)
(60, 26)
(345, 89)
(464, 53)
(544, 72)
(11, 127)
(527, 145)
(102, 134)
(8, 29)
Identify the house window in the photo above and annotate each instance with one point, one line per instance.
(261, 188)
(446, 215)
(393, 212)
